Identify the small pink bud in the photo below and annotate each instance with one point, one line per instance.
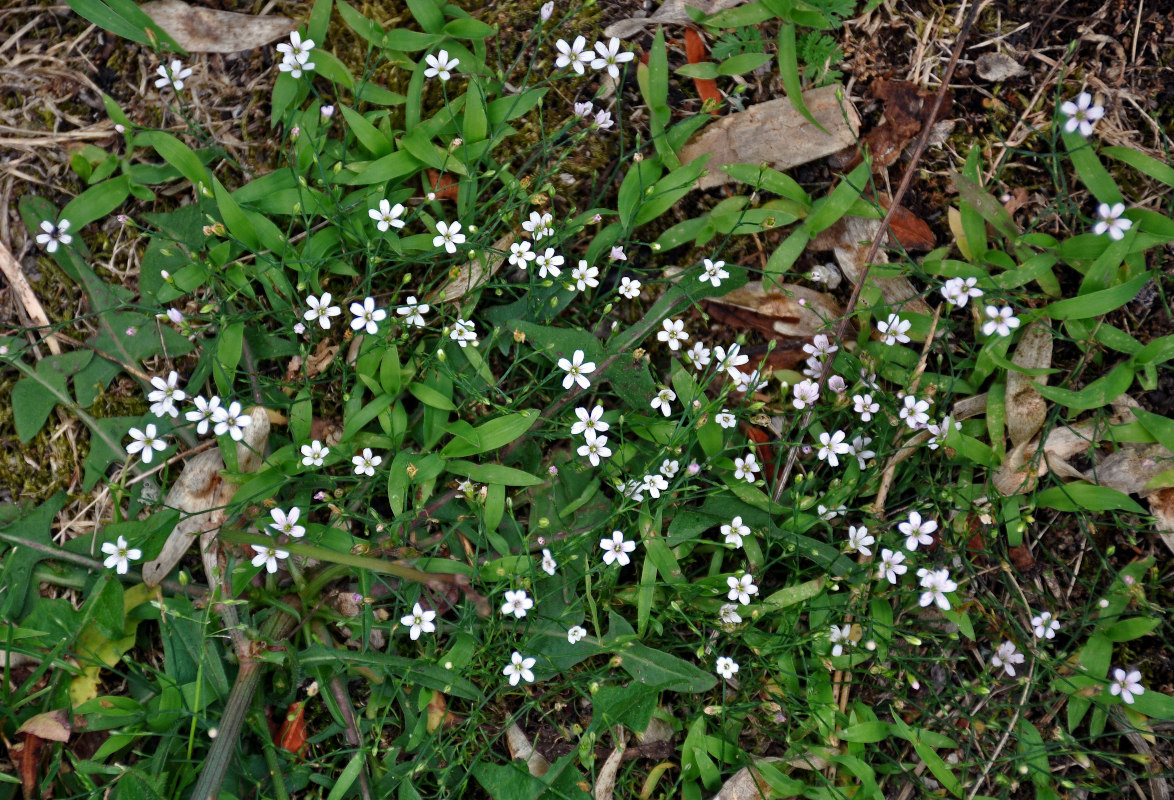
(547, 11)
(327, 112)
(693, 468)
(175, 315)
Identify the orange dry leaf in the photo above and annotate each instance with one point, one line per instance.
(763, 452)
(695, 52)
(445, 187)
(292, 736)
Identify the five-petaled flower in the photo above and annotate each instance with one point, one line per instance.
(413, 312)
(1044, 625)
(726, 667)
(865, 406)
(741, 589)
(119, 554)
(615, 549)
(53, 235)
(674, 333)
(574, 55)
(725, 419)
(1112, 221)
(576, 634)
(298, 49)
(744, 468)
(366, 462)
(167, 393)
(549, 565)
(594, 448)
(713, 272)
(267, 556)
(840, 635)
(539, 225)
(1006, 656)
(145, 441)
(521, 255)
(287, 523)
(367, 316)
(387, 215)
(936, 583)
(589, 422)
(1126, 684)
(1081, 114)
(517, 603)
(917, 531)
(629, 288)
(549, 263)
(463, 332)
(1000, 320)
(419, 621)
(321, 310)
(832, 446)
(859, 540)
(891, 566)
(894, 329)
(314, 453)
(577, 370)
(519, 669)
(204, 413)
(584, 276)
(959, 291)
(439, 65)
(231, 420)
(663, 400)
(734, 532)
(448, 236)
(173, 74)
(728, 614)
(610, 57)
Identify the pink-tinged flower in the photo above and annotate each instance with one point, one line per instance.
(287, 523)
(891, 566)
(1112, 221)
(574, 55)
(1081, 114)
(268, 557)
(1006, 656)
(917, 531)
(610, 57)
(173, 74)
(1126, 684)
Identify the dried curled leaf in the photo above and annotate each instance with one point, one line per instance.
(522, 750)
(669, 13)
(1026, 409)
(206, 30)
(850, 239)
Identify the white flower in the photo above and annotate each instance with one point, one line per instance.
(413, 312)
(420, 621)
(735, 531)
(267, 557)
(840, 636)
(958, 291)
(1006, 656)
(1081, 114)
(297, 49)
(859, 448)
(119, 555)
(448, 236)
(629, 288)
(573, 54)
(321, 310)
(663, 400)
(747, 382)
(54, 234)
(585, 276)
(367, 316)
(894, 329)
(466, 487)
(1044, 625)
(387, 215)
(1000, 320)
(366, 462)
(806, 393)
(917, 531)
(617, 254)
(287, 523)
(146, 441)
(828, 514)
(517, 603)
(633, 489)
(813, 368)
(674, 333)
(669, 467)
(327, 112)
(603, 119)
(167, 393)
(594, 448)
(231, 420)
(1111, 221)
(1125, 684)
(519, 668)
(576, 634)
(549, 565)
(727, 361)
(914, 412)
(714, 272)
(204, 413)
(890, 566)
(654, 484)
(832, 446)
(550, 263)
(936, 583)
(583, 109)
(939, 431)
(864, 406)
(172, 75)
(744, 468)
(547, 11)
(295, 69)
(589, 421)
(463, 332)
(440, 65)
(610, 57)
(698, 355)
(577, 370)
(616, 549)
(314, 453)
(521, 255)
(726, 419)
(728, 614)
(859, 540)
(742, 588)
(726, 667)
(539, 225)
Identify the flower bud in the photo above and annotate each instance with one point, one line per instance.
(547, 11)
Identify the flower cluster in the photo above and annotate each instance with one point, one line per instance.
(295, 55)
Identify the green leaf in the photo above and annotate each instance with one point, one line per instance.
(493, 474)
(771, 180)
(178, 155)
(986, 205)
(476, 123)
(395, 669)
(662, 670)
(703, 70)
(741, 64)
(235, 220)
(1086, 497)
(789, 72)
(491, 435)
(1090, 169)
(1161, 428)
(468, 28)
(393, 167)
(1097, 394)
(97, 201)
(841, 199)
(1095, 304)
(1129, 629)
(368, 135)
(430, 397)
(1144, 164)
(331, 68)
(123, 19)
(428, 14)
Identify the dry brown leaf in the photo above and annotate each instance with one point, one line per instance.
(671, 12)
(788, 310)
(747, 784)
(473, 273)
(522, 750)
(1026, 409)
(1162, 506)
(997, 67)
(1129, 468)
(850, 239)
(206, 30)
(1016, 475)
(53, 726)
(910, 230)
(907, 109)
(775, 134)
(605, 781)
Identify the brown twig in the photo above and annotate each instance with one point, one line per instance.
(885, 229)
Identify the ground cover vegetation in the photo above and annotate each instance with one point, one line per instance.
(458, 444)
